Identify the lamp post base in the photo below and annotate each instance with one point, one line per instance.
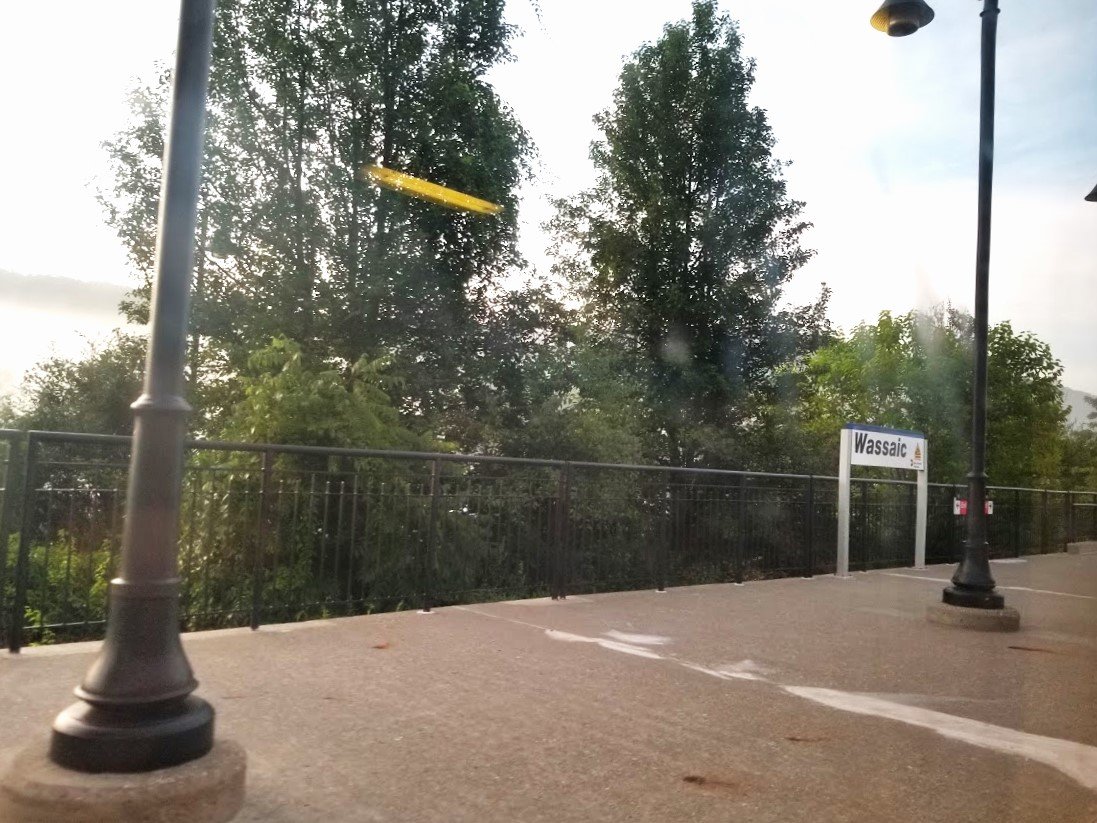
(208, 790)
(91, 738)
(973, 598)
(983, 620)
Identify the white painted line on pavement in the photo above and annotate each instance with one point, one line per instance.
(638, 639)
(612, 645)
(1076, 760)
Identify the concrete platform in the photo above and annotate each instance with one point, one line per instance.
(1085, 547)
(820, 700)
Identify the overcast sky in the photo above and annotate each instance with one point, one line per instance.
(882, 133)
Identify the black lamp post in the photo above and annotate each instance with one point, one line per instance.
(972, 584)
(136, 712)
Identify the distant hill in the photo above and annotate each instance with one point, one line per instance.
(60, 294)
(1080, 409)
(42, 317)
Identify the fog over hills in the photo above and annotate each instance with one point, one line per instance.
(61, 294)
(41, 316)
(1080, 409)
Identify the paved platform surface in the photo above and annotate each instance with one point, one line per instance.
(787, 700)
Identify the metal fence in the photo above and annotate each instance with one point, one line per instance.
(273, 533)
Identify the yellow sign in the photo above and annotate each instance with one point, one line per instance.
(424, 190)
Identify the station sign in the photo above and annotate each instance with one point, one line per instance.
(889, 448)
(861, 444)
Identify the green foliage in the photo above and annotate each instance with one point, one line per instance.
(290, 242)
(1078, 467)
(68, 583)
(289, 398)
(1025, 412)
(8, 414)
(683, 245)
(90, 394)
(907, 372)
(914, 371)
(583, 404)
(506, 359)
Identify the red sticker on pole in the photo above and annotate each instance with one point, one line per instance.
(959, 506)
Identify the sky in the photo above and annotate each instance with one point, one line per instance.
(881, 134)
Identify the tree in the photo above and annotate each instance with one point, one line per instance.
(288, 399)
(1079, 450)
(1026, 417)
(910, 371)
(302, 94)
(89, 394)
(583, 403)
(914, 371)
(684, 243)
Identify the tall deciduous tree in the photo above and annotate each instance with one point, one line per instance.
(686, 239)
(1026, 417)
(302, 94)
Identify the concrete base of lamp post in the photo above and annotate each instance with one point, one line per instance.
(207, 790)
(984, 620)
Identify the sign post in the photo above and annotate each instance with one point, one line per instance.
(864, 445)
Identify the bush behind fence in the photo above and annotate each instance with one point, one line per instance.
(283, 533)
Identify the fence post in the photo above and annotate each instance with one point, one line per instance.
(912, 518)
(22, 563)
(262, 540)
(954, 549)
(349, 594)
(741, 543)
(563, 532)
(864, 526)
(1045, 531)
(809, 515)
(655, 533)
(426, 566)
(12, 476)
(1016, 523)
(556, 568)
(1070, 517)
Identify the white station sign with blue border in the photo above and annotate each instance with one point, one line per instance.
(890, 448)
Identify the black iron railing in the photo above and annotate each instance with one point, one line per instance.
(275, 533)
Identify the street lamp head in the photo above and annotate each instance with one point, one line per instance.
(1092, 196)
(898, 18)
